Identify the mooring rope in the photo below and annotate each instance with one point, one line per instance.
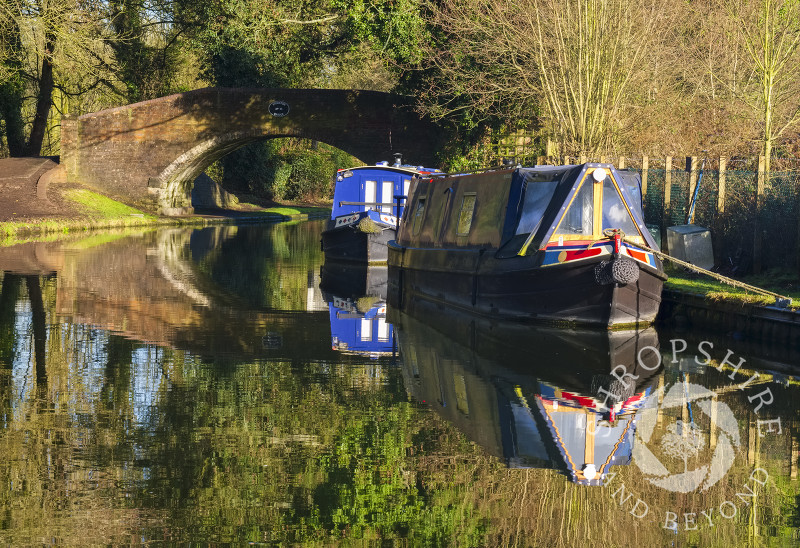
(780, 300)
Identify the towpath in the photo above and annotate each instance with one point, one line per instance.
(26, 193)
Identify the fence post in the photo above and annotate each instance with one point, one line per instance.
(566, 160)
(719, 240)
(603, 159)
(645, 166)
(757, 224)
(621, 162)
(667, 190)
(721, 186)
(797, 217)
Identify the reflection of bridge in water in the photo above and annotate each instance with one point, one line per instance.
(154, 287)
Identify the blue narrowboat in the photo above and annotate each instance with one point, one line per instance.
(357, 330)
(365, 212)
(544, 243)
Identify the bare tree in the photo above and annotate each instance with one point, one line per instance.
(590, 55)
(577, 61)
(766, 37)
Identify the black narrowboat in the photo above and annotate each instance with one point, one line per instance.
(544, 243)
(365, 212)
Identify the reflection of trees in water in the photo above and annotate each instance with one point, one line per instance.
(62, 463)
(129, 440)
(267, 267)
(9, 295)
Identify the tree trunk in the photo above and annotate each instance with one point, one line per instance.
(43, 101)
(11, 99)
(11, 114)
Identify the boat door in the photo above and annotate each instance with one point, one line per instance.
(387, 196)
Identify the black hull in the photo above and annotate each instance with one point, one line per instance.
(573, 359)
(352, 281)
(348, 243)
(518, 289)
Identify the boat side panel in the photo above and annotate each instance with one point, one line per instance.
(443, 202)
(517, 289)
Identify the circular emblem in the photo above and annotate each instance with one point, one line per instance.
(279, 108)
(679, 431)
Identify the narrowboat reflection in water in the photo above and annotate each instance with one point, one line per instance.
(356, 296)
(543, 243)
(537, 398)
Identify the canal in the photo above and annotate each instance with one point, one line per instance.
(222, 385)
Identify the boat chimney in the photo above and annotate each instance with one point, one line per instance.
(398, 159)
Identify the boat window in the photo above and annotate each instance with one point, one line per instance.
(383, 330)
(633, 186)
(466, 214)
(366, 329)
(462, 402)
(615, 214)
(537, 197)
(579, 218)
(419, 212)
(370, 193)
(443, 214)
(387, 196)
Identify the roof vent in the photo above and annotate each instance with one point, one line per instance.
(398, 159)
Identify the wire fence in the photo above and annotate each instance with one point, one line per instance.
(750, 230)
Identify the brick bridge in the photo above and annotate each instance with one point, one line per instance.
(155, 149)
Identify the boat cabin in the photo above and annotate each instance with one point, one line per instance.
(523, 210)
(373, 188)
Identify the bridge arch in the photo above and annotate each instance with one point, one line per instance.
(153, 150)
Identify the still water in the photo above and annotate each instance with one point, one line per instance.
(223, 386)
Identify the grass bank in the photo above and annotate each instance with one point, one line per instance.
(781, 281)
(93, 211)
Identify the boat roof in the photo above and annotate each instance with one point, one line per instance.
(404, 168)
